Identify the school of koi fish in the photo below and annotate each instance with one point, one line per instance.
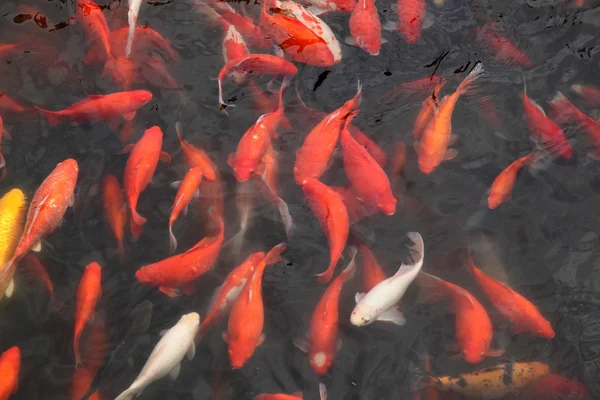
(277, 40)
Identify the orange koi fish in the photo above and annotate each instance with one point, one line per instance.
(312, 159)
(520, 312)
(94, 345)
(505, 181)
(411, 14)
(504, 51)
(10, 365)
(188, 188)
(427, 110)
(246, 319)
(329, 208)
(256, 141)
(324, 342)
(365, 27)
(554, 387)
(543, 128)
(473, 326)
(256, 64)
(94, 25)
(437, 135)
(115, 211)
(181, 270)
(195, 157)
(356, 208)
(82, 380)
(564, 111)
(367, 179)
(96, 108)
(279, 396)
(226, 294)
(372, 273)
(139, 170)
(33, 265)
(89, 292)
(589, 93)
(48, 207)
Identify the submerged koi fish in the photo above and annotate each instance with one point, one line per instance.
(427, 110)
(34, 267)
(505, 51)
(418, 86)
(10, 365)
(94, 25)
(251, 33)
(505, 181)
(323, 341)
(372, 273)
(89, 292)
(80, 384)
(246, 319)
(589, 93)
(115, 211)
(365, 27)
(329, 209)
(554, 387)
(436, 137)
(543, 128)
(411, 14)
(379, 303)
(187, 189)
(195, 157)
(312, 159)
(12, 219)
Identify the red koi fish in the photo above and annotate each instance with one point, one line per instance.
(10, 365)
(188, 188)
(437, 136)
(155, 72)
(329, 208)
(372, 273)
(33, 265)
(564, 111)
(246, 319)
(252, 33)
(94, 345)
(367, 179)
(115, 211)
(195, 157)
(324, 342)
(211, 195)
(256, 141)
(411, 14)
(505, 181)
(427, 111)
(94, 25)
(369, 145)
(589, 93)
(139, 170)
(48, 207)
(365, 27)
(226, 294)
(554, 387)
(418, 86)
(82, 380)
(279, 396)
(89, 292)
(520, 312)
(356, 208)
(181, 270)
(543, 128)
(312, 159)
(97, 108)
(302, 35)
(504, 50)
(473, 326)
(256, 64)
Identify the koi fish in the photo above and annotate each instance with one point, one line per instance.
(245, 201)
(132, 17)
(473, 326)
(246, 319)
(378, 304)
(589, 93)
(89, 292)
(554, 387)
(188, 189)
(302, 35)
(324, 342)
(504, 50)
(372, 273)
(367, 179)
(10, 106)
(34, 267)
(411, 14)
(356, 208)
(226, 294)
(491, 383)
(166, 357)
(139, 170)
(95, 344)
(80, 384)
(97, 108)
(564, 111)
(12, 219)
(365, 27)
(505, 181)
(418, 86)
(520, 312)
(279, 396)
(256, 64)
(543, 128)
(255, 143)
(10, 365)
(94, 25)
(489, 112)
(252, 33)
(181, 270)
(115, 211)
(437, 135)
(48, 207)
(312, 159)
(329, 208)
(427, 111)
(195, 157)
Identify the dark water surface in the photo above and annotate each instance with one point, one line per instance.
(544, 240)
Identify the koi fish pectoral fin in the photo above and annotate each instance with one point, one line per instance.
(175, 372)
(170, 291)
(191, 352)
(494, 352)
(450, 154)
(301, 343)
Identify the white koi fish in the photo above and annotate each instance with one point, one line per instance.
(166, 356)
(379, 303)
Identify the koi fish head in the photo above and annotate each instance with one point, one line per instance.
(140, 98)
(363, 314)
(320, 362)
(474, 351)
(12, 356)
(145, 275)
(69, 167)
(495, 199)
(387, 205)
(243, 170)
(239, 353)
(191, 320)
(427, 162)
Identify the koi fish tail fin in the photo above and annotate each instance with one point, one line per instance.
(284, 85)
(475, 74)
(135, 227)
(354, 103)
(432, 287)
(563, 110)
(128, 394)
(132, 20)
(471, 267)
(137, 218)
(322, 391)
(235, 242)
(274, 255)
(286, 217)
(350, 270)
(172, 240)
(53, 117)
(326, 276)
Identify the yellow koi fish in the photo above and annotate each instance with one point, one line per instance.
(12, 219)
